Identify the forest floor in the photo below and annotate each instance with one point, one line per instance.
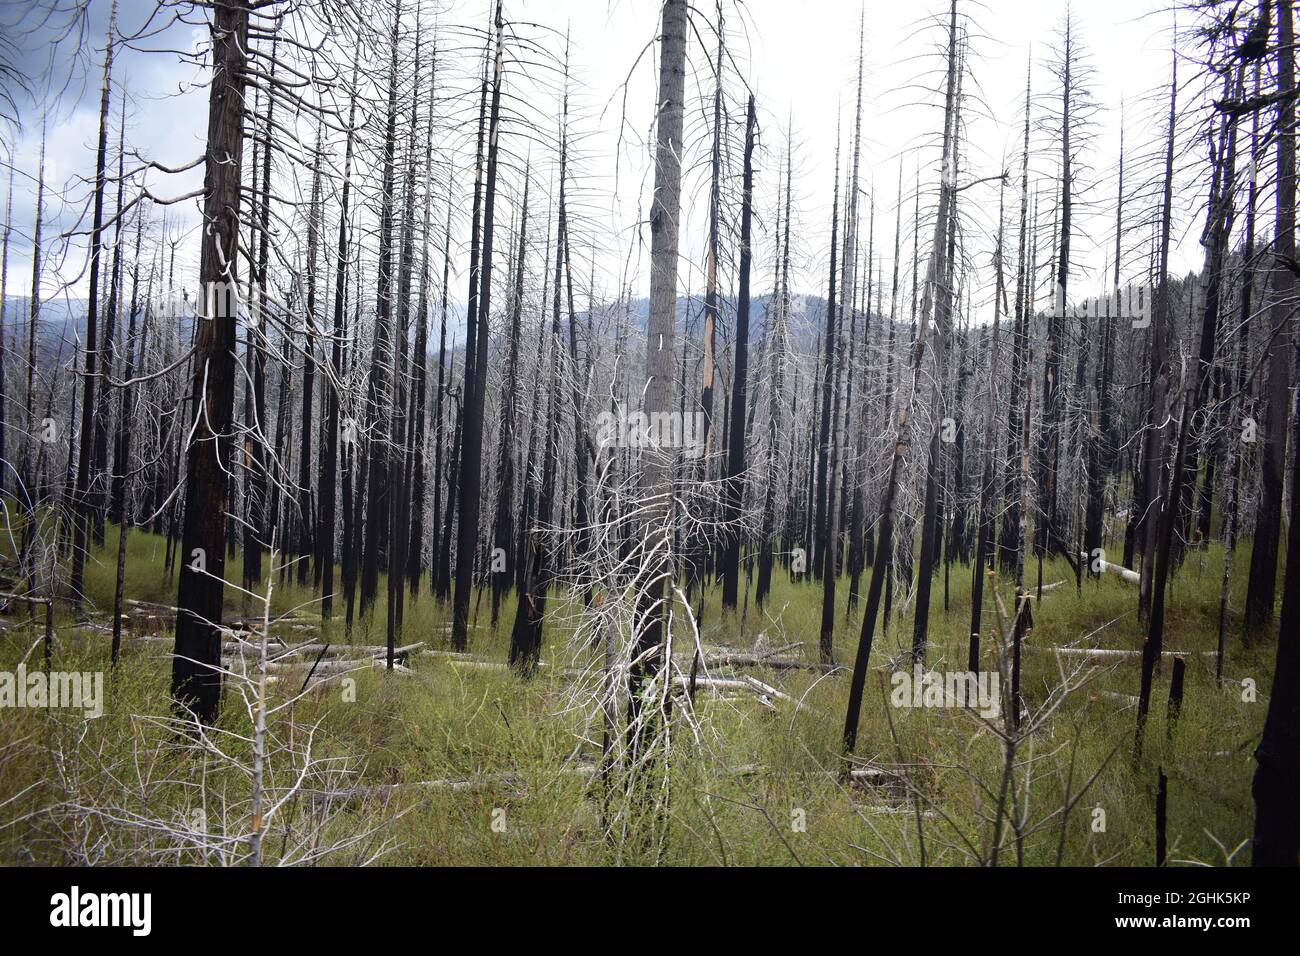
(457, 760)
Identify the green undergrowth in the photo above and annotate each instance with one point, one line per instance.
(463, 762)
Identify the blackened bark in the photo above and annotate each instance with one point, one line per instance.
(471, 457)
(310, 334)
(378, 471)
(329, 466)
(81, 516)
(1261, 593)
(903, 429)
(734, 487)
(196, 680)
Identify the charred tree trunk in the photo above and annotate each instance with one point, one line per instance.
(734, 487)
(196, 679)
(1276, 786)
(471, 457)
(81, 504)
(828, 467)
(306, 525)
(503, 532)
(903, 429)
(326, 495)
(378, 472)
(1260, 595)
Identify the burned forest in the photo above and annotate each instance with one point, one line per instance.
(504, 432)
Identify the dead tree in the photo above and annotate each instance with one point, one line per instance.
(1260, 594)
(382, 357)
(903, 428)
(471, 456)
(734, 485)
(503, 532)
(81, 503)
(988, 492)
(1276, 786)
(196, 680)
(1158, 388)
(938, 302)
(327, 492)
(660, 369)
(828, 446)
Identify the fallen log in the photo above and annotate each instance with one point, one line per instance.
(1131, 576)
(744, 659)
(515, 784)
(1128, 700)
(1104, 652)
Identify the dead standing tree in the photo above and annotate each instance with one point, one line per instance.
(196, 679)
(471, 457)
(734, 486)
(903, 428)
(85, 463)
(660, 370)
(1276, 787)
(1261, 593)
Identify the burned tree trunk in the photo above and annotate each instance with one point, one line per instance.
(988, 494)
(1276, 787)
(503, 531)
(471, 454)
(85, 464)
(306, 525)
(378, 471)
(903, 428)
(1261, 593)
(828, 524)
(1158, 387)
(326, 495)
(734, 487)
(196, 680)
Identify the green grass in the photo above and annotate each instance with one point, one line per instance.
(453, 722)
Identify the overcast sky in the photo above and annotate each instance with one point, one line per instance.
(798, 58)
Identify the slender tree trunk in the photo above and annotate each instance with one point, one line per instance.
(828, 468)
(734, 487)
(471, 459)
(660, 371)
(1260, 594)
(310, 334)
(988, 493)
(503, 531)
(378, 384)
(81, 514)
(196, 679)
(1153, 446)
(1010, 542)
(420, 386)
(1276, 786)
(937, 301)
(903, 429)
(326, 496)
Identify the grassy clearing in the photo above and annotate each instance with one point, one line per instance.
(761, 787)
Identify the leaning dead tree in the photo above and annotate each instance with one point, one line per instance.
(936, 274)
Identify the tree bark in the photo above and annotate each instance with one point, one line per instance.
(196, 679)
